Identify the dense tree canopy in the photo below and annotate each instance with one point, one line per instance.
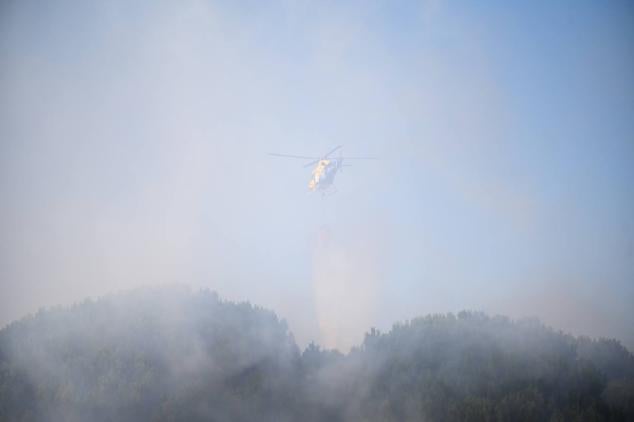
(173, 354)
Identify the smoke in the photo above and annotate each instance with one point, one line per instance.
(171, 353)
(133, 143)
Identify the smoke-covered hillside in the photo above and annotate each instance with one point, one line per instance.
(173, 354)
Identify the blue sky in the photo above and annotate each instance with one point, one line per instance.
(134, 140)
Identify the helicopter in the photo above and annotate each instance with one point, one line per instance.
(326, 168)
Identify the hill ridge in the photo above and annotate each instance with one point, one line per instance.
(179, 354)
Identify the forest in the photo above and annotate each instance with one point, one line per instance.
(177, 354)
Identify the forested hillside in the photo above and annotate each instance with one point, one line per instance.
(174, 354)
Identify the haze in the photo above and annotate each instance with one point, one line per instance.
(134, 141)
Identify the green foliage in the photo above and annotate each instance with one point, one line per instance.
(172, 354)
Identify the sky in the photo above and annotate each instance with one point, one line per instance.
(134, 141)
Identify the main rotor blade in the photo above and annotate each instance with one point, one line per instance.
(311, 163)
(301, 157)
(333, 150)
(357, 158)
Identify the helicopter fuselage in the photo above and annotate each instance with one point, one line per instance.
(323, 174)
